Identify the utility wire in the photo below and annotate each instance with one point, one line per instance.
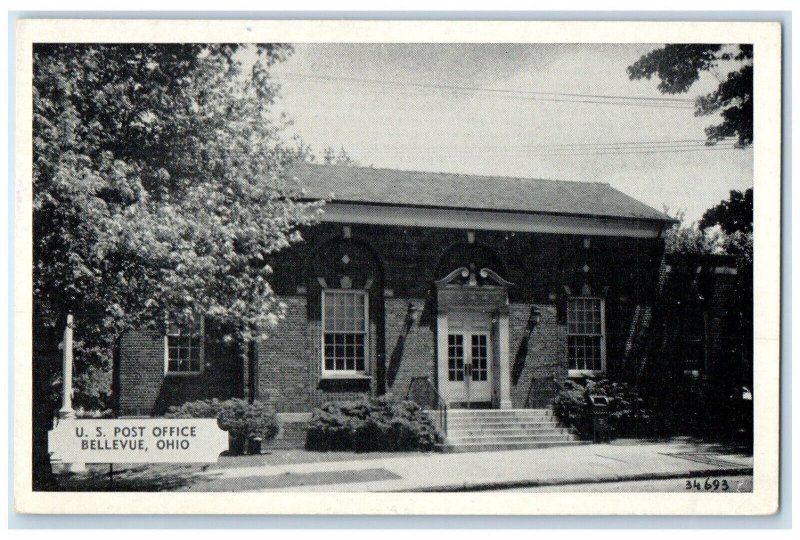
(479, 89)
(567, 153)
(529, 95)
(644, 145)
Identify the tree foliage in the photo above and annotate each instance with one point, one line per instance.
(732, 215)
(694, 239)
(329, 156)
(159, 186)
(678, 66)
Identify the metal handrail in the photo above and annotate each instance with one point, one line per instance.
(441, 404)
(553, 381)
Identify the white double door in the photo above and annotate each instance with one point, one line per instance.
(469, 360)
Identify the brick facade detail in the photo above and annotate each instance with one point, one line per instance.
(397, 267)
(145, 389)
(545, 270)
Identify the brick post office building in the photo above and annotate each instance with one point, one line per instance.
(487, 287)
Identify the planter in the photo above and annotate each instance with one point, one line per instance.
(236, 445)
(254, 446)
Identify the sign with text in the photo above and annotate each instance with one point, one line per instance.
(137, 440)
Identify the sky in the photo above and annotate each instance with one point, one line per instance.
(458, 108)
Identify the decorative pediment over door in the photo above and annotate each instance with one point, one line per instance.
(466, 288)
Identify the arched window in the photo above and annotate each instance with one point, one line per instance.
(345, 282)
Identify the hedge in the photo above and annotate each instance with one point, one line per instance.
(372, 424)
(241, 419)
(628, 414)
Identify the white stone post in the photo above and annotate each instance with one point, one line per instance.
(441, 353)
(66, 410)
(503, 331)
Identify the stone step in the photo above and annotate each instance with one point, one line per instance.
(496, 424)
(509, 439)
(528, 417)
(474, 430)
(490, 446)
(466, 416)
(503, 420)
(479, 431)
(498, 412)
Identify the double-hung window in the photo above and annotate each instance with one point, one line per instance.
(183, 348)
(586, 340)
(344, 322)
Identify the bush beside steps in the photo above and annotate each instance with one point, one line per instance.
(384, 423)
(628, 414)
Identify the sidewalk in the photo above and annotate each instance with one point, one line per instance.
(486, 470)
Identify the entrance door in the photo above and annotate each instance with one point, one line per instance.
(469, 362)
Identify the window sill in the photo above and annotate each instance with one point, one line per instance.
(349, 382)
(345, 376)
(580, 373)
(183, 374)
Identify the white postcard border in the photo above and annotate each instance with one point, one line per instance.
(766, 38)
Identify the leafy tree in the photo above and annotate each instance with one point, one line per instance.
(709, 239)
(159, 186)
(678, 66)
(733, 215)
(690, 239)
(331, 157)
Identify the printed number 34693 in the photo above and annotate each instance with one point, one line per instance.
(709, 484)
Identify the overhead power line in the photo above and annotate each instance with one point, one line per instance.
(639, 152)
(644, 145)
(528, 95)
(568, 152)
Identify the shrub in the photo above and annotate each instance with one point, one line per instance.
(247, 420)
(80, 412)
(242, 420)
(570, 406)
(384, 423)
(204, 408)
(628, 414)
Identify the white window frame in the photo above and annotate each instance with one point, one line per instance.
(344, 373)
(202, 356)
(589, 372)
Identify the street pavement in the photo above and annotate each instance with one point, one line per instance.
(510, 469)
(736, 484)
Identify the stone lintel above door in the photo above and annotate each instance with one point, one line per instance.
(468, 289)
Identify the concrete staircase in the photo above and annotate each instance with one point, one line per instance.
(475, 430)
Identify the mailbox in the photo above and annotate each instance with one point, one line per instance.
(598, 408)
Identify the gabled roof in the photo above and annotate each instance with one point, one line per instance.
(368, 185)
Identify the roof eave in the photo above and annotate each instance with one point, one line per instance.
(666, 220)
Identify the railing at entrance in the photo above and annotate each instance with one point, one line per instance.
(423, 392)
(539, 383)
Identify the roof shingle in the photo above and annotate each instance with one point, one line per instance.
(473, 192)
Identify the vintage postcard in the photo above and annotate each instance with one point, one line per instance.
(461, 267)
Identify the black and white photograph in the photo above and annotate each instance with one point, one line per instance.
(299, 266)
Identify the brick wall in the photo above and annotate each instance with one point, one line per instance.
(406, 260)
(145, 390)
(538, 354)
(398, 266)
(284, 370)
(290, 364)
(410, 344)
